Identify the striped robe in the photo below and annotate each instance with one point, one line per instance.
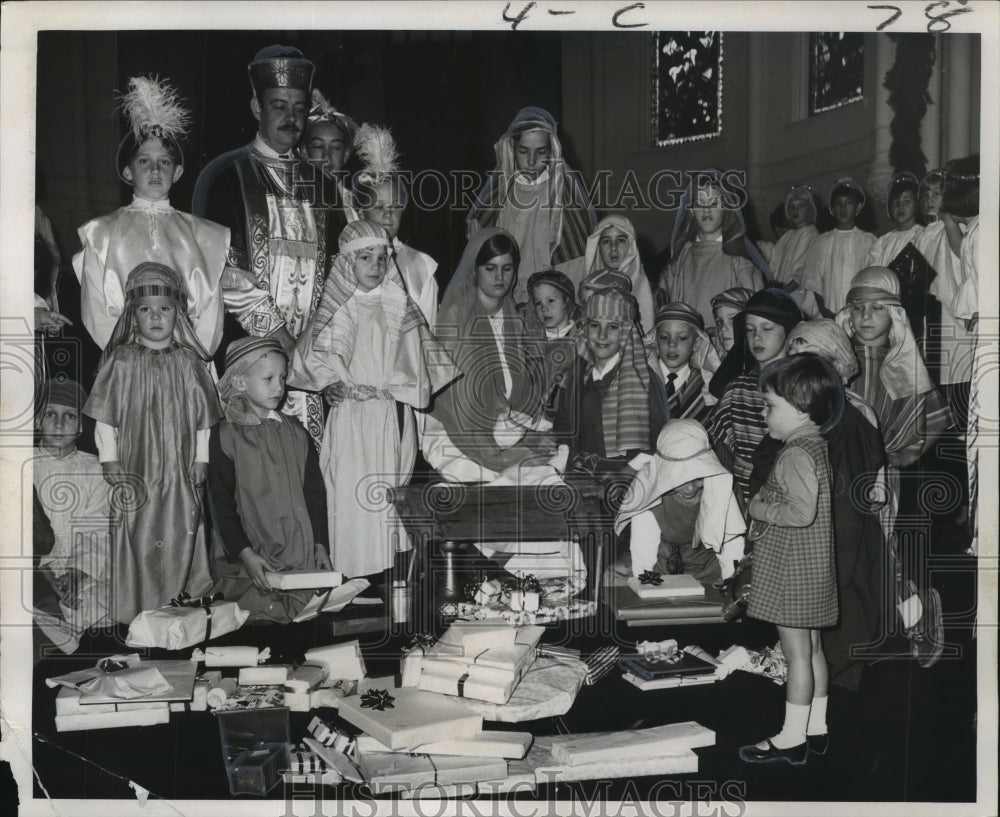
(736, 429)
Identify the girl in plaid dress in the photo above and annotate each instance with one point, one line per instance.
(795, 576)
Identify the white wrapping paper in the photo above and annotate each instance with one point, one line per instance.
(231, 656)
(547, 689)
(175, 628)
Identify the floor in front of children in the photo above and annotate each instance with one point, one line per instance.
(907, 734)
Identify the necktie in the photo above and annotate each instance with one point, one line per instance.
(671, 388)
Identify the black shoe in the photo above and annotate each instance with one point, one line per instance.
(818, 744)
(794, 755)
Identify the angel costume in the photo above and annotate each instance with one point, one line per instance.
(788, 258)
(369, 442)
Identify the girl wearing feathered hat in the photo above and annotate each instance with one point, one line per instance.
(150, 160)
(155, 403)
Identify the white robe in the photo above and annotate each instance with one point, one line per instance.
(833, 260)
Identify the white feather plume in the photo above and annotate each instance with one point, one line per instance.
(376, 149)
(154, 108)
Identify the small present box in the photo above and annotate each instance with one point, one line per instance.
(595, 747)
(488, 592)
(113, 720)
(330, 736)
(485, 744)
(665, 586)
(454, 679)
(339, 660)
(304, 579)
(411, 717)
(412, 660)
(270, 675)
(392, 771)
(548, 769)
(469, 638)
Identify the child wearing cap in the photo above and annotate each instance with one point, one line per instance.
(836, 255)
(685, 360)
(265, 485)
(551, 321)
(154, 402)
(76, 566)
(150, 160)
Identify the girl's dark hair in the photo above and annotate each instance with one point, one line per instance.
(961, 187)
(845, 190)
(808, 383)
(900, 185)
(498, 245)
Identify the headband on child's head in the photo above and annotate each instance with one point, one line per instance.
(875, 284)
(607, 279)
(679, 311)
(829, 341)
(735, 297)
(250, 349)
(361, 234)
(62, 392)
(846, 183)
(612, 304)
(553, 278)
(150, 279)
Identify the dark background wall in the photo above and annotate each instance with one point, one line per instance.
(447, 96)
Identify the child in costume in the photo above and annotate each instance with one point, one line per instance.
(266, 488)
(912, 414)
(613, 406)
(685, 360)
(788, 258)
(380, 195)
(857, 457)
(836, 255)
(551, 319)
(794, 574)
(155, 402)
(709, 248)
(902, 206)
(326, 145)
(726, 306)
(489, 420)
(368, 335)
(534, 195)
(76, 566)
(737, 426)
(683, 515)
(150, 159)
(602, 279)
(612, 247)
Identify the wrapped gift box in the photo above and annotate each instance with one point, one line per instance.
(577, 750)
(520, 779)
(416, 717)
(454, 679)
(391, 771)
(339, 660)
(485, 744)
(499, 665)
(439, 792)
(548, 769)
(670, 587)
(335, 760)
(670, 683)
(174, 628)
(468, 638)
(548, 688)
(600, 663)
(304, 579)
(112, 720)
(271, 675)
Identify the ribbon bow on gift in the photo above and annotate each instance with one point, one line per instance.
(185, 600)
(379, 699)
(422, 640)
(526, 584)
(649, 577)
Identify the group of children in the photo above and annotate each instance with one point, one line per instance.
(744, 418)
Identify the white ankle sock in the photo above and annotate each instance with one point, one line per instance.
(794, 731)
(817, 717)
